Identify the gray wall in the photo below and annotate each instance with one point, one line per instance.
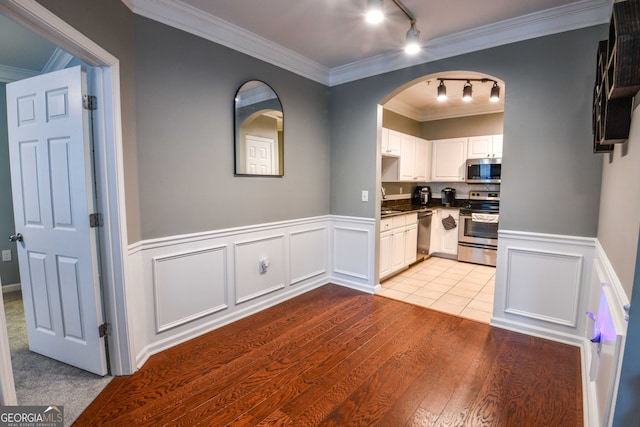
(185, 88)
(620, 205)
(110, 25)
(8, 270)
(483, 124)
(548, 159)
(400, 123)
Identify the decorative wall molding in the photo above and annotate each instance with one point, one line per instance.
(202, 281)
(189, 285)
(542, 284)
(179, 15)
(534, 275)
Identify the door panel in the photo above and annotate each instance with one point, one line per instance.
(52, 192)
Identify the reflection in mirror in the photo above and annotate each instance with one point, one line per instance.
(259, 135)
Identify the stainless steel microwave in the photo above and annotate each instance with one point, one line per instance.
(483, 171)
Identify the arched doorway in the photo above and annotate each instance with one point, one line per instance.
(425, 145)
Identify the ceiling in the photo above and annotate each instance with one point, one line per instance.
(328, 40)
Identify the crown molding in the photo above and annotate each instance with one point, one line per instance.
(10, 74)
(175, 13)
(179, 15)
(581, 14)
(431, 114)
(58, 60)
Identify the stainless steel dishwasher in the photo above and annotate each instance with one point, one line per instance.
(424, 233)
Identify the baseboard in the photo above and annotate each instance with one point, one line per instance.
(11, 288)
(537, 331)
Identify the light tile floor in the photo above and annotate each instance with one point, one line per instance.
(446, 285)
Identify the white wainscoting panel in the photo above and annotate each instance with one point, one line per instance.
(252, 282)
(183, 286)
(308, 254)
(543, 285)
(189, 285)
(353, 253)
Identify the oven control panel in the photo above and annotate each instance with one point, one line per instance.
(484, 195)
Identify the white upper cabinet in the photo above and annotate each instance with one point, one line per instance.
(413, 163)
(449, 157)
(390, 143)
(480, 147)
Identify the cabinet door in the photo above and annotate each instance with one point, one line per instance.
(410, 244)
(422, 160)
(449, 240)
(449, 157)
(407, 158)
(385, 253)
(393, 143)
(497, 146)
(480, 147)
(397, 249)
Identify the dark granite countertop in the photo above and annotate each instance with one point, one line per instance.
(401, 207)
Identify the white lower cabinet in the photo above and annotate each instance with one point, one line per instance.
(398, 242)
(444, 241)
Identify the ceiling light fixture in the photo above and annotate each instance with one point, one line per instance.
(374, 14)
(412, 45)
(442, 91)
(495, 93)
(467, 91)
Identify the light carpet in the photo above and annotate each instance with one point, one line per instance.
(43, 381)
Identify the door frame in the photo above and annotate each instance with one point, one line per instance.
(110, 171)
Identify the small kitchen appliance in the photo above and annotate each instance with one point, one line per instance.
(422, 195)
(483, 171)
(448, 195)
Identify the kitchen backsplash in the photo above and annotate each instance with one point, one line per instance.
(462, 189)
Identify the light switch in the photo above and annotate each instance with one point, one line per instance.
(6, 255)
(365, 196)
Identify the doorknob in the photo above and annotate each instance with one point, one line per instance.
(16, 238)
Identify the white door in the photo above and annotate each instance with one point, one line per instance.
(52, 197)
(260, 155)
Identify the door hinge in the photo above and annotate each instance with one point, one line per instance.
(95, 220)
(104, 329)
(89, 102)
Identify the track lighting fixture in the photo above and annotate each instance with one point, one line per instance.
(467, 91)
(442, 91)
(374, 14)
(412, 45)
(495, 93)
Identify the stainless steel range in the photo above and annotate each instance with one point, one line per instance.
(478, 228)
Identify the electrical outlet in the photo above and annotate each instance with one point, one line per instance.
(6, 255)
(365, 196)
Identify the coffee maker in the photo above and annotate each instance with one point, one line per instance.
(448, 196)
(422, 195)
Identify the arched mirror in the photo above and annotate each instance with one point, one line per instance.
(259, 134)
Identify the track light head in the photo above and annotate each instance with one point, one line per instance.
(467, 91)
(495, 93)
(374, 14)
(442, 91)
(412, 45)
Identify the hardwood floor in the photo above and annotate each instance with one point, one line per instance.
(338, 357)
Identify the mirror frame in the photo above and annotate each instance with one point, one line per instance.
(239, 119)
